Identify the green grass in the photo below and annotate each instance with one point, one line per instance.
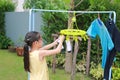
(61, 75)
(11, 68)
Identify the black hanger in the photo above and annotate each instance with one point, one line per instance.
(110, 18)
(110, 21)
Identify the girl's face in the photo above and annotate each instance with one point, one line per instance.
(38, 43)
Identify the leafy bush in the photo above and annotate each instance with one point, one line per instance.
(5, 5)
(96, 71)
(116, 73)
(60, 60)
(81, 62)
(117, 60)
(81, 66)
(5, 42)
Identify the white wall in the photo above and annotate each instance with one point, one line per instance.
(19, 5)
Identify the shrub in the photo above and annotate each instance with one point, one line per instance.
(116, 73)
(5, 5)
(96, 71)
(5, 42)
(60, 60)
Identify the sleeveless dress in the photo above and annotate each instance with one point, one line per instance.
(38, 68)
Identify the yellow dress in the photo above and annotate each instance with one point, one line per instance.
(38, 68)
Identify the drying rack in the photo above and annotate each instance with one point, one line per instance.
(32, 15)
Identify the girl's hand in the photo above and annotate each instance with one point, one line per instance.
(61, 38)
(56, 42)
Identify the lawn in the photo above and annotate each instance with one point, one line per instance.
(11, 68)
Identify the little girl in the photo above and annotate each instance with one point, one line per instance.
(34, 55)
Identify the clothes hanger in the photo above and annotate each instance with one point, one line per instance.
(99, 21)
(98, 15)
(110, 18)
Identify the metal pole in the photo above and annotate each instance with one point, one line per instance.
(33, 20)
(114, 13)
(43, 10)
(82, 12)
(30, 19)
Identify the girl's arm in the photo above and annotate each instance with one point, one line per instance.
(53, 51)
(46, 47)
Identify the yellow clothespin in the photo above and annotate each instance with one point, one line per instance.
(67, 38)
(74, 17)
(75, 38)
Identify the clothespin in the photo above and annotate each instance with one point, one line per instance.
(67, 38)
(74, 17)
(98, 15)
(75, 38)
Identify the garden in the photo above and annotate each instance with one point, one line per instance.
(11, 63)
(11, 68)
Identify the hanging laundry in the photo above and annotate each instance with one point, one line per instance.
(97, 27)
(115, 35)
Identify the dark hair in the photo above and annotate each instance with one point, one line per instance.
(30, 37)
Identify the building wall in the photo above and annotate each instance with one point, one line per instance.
(19, 5)
(17, 25)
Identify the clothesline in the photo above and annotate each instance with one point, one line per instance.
(72, 11)
(32, 16)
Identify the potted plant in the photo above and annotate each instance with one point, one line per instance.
(19, 50)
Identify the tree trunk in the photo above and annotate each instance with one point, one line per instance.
(54, 56)
(54, 64)
(76, 48)
(98, 50)
(88, 56)
(68, 61)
